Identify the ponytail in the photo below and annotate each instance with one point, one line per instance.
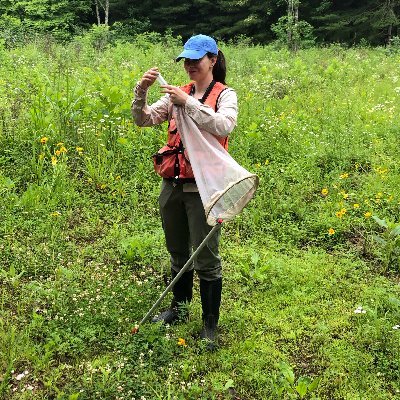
(219, 69)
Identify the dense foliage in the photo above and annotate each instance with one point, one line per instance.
(311, 298)
(349, 21)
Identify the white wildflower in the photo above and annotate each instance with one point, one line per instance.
(359, 310)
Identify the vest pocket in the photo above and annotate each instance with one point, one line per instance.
(165, 161)
(170, 162)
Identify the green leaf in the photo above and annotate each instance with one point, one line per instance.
(302, 385)
(74, 396)
(287, 372)
(314, 384)
(379, 240)
(380, 222)
(255, 258)
(228, 384)
(395, 231)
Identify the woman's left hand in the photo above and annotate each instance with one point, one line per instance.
(177, 95)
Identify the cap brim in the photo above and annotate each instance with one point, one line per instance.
(192, 54)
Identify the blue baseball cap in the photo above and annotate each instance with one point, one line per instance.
(197, 47)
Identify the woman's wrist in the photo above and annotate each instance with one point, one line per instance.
(142, 85)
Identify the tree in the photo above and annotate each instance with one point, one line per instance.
(292, 23)
(351, 20)
(103, 5)
(384, 17)
(60, 17)
(291, 31)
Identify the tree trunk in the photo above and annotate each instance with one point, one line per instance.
(106, 12)
(289, 22)
(293, 19)
(105, 6)
(296, 21)
(97, 13)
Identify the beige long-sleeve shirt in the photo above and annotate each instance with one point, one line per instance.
(220, 123)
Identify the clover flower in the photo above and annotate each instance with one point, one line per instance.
(359, 310)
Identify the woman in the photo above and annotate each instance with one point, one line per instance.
(213, 107)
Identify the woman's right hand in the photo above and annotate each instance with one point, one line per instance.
(149, 78)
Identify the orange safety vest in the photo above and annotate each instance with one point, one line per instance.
(172, 161)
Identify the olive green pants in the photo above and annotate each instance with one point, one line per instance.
(185, 227)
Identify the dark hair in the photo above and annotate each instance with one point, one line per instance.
(219, 69)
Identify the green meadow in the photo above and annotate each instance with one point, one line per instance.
(311, 297)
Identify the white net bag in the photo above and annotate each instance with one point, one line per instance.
(224, 186)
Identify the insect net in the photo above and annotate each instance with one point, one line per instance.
(225, 187)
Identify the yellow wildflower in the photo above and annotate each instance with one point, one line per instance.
(44, 140)
(57, 152)
(356, 205)
(266, 162)
(368, 214)
(60, 144)
(340, 213)
(55, 214)
(331, 231)
(79, 149)
(258, 165)
(63, 149)
(344, 194)
(324, 192)
(344, 175)
(182, 342)
(54, 160)
(379, 195)
(381, 170)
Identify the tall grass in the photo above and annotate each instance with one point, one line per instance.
(82, 251)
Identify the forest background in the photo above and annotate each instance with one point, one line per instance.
(321, 21)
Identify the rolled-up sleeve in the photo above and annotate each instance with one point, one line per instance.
(219, 123)
(145, 115)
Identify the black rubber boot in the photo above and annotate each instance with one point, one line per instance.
(183, 293)
(210, 292)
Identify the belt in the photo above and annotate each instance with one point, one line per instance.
(181, 181)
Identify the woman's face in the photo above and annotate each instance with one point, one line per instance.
(201, 69)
